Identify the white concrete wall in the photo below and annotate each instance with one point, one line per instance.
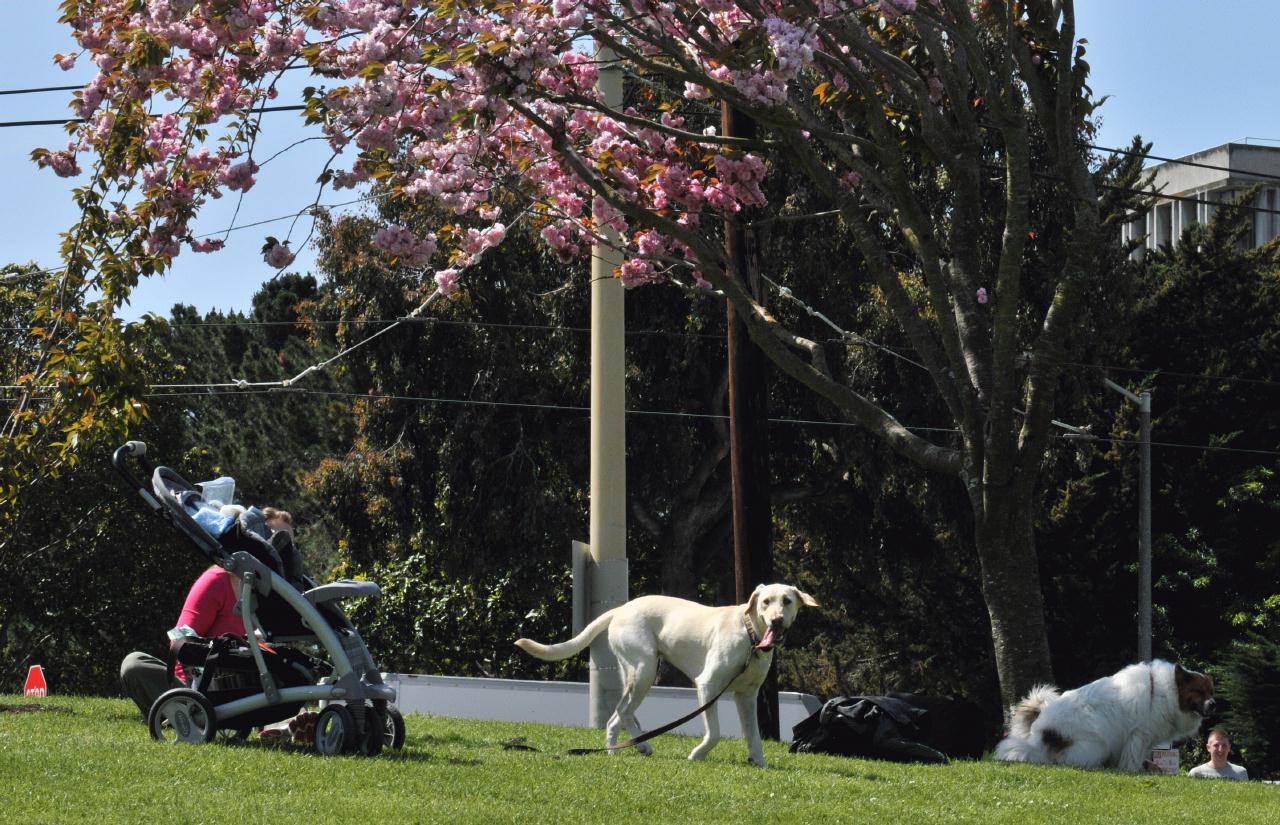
(565, 703)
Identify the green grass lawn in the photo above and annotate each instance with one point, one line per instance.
(90, 760)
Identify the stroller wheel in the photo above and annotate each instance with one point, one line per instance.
(335, 731)
(394, 729)
(182, 715)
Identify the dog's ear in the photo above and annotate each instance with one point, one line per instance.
(807, 600)
(755, 596)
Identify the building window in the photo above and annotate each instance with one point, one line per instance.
(1188, 210)
(1164, 224)
(1270, 202)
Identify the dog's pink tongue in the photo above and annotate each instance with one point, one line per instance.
(766, 641)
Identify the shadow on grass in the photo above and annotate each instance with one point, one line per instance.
(412, 752)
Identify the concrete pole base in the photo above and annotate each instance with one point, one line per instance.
(608, 589)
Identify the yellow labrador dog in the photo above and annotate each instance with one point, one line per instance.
(716, 647)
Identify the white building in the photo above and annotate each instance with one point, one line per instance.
(1190, 188)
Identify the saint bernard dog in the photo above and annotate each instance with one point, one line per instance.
(1110, 723)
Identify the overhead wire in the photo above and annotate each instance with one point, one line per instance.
(42, 89)
(294, 108)
(247, 324)
(21, 275)
(8, 124)
(307, 391)
(232, 391)
(1155, 372)
(783, 290)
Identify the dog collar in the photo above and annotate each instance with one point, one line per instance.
(751, 633)
(751, 630)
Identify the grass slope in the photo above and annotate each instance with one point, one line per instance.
(90, 760)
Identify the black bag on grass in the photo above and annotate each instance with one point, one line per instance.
(900, 727)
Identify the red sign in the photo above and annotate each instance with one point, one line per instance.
(35, 685)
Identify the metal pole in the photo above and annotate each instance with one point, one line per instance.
(607, 577)
(1144, 516)
(1144, 530)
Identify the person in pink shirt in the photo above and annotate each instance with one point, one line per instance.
(209, 611)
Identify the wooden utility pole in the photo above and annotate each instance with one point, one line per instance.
(748, 430)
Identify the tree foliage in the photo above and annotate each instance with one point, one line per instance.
(92, 574)
(919, 123)
(1250, 685)
(1214, 503)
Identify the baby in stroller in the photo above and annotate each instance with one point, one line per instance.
(258, 640)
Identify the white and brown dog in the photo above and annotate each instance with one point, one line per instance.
(1112, 722)
(718, 648)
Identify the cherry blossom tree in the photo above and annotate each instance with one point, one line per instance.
(938, 131)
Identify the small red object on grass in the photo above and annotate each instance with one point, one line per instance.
(35, 685)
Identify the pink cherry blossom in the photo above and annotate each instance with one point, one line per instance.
(62, 163)
(447, 281)
(210, 245)
(277, 254)
(239, 178)
(400, 242)
(517, 112)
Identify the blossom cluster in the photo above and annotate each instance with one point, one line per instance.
(461, 103)
(403, 244)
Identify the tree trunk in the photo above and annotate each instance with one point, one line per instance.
(1011, 589)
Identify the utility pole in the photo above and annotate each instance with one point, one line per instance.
(748, 432)
(1143, 400)
(605, 571)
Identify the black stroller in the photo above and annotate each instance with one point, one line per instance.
(246, 684)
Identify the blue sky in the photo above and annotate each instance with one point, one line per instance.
(1186, 74)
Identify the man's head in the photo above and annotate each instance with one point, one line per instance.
(1219, 747)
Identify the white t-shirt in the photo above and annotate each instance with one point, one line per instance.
(1208, 771)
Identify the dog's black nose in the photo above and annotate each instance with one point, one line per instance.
(1209, 707)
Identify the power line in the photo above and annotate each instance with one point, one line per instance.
(80, 86)
(852, 337)
(423, 399)
(65, 120)
(247, 324)
(1262, 210)
(1155, 372)
(17, 276)
(1094, 146)
(42, 89)
(228, 391)
(1183, 162)
(1208, 448)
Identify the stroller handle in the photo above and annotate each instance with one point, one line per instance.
(124, 451)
